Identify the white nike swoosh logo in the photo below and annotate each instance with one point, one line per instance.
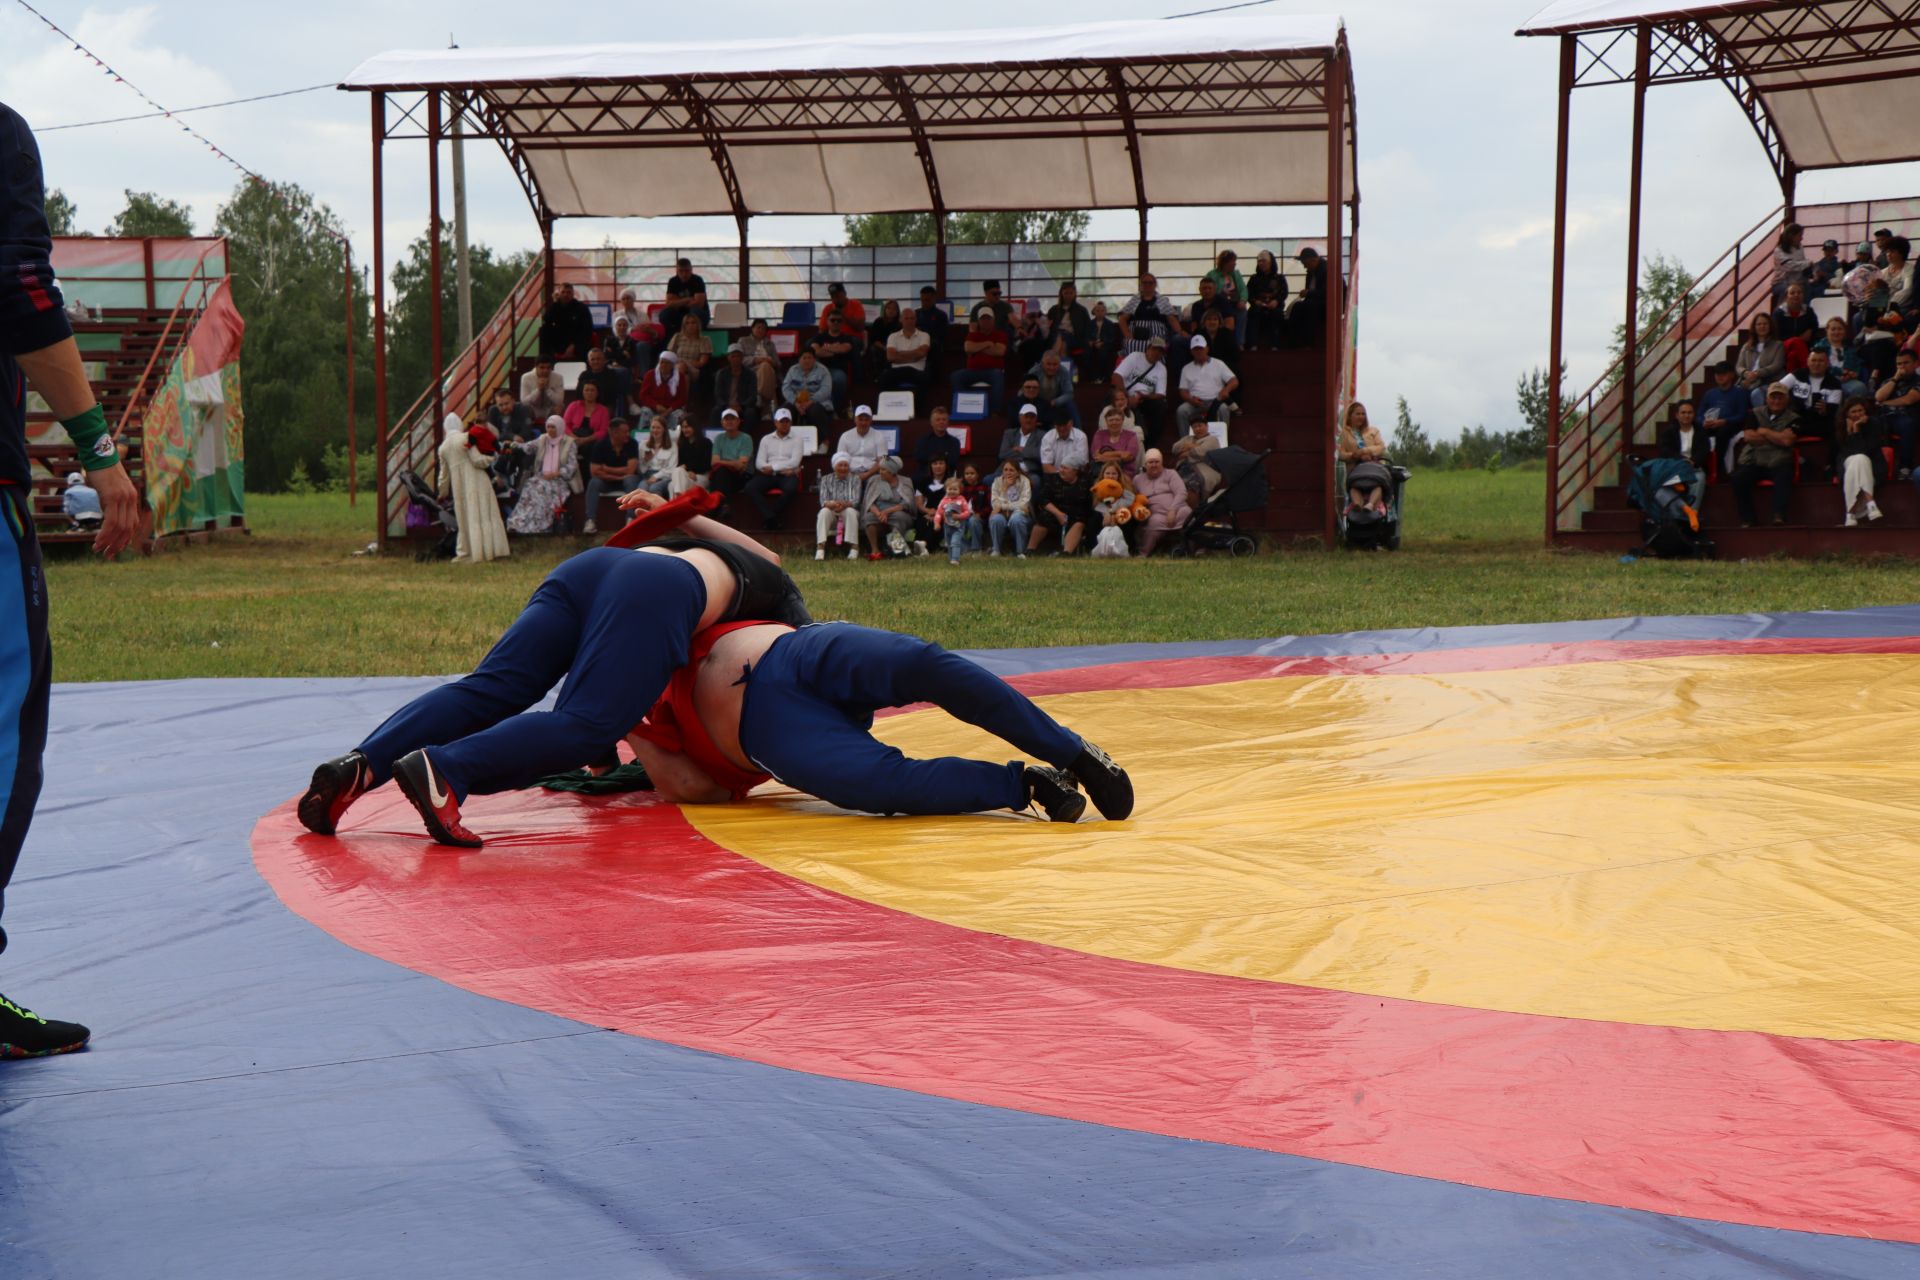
(436, 797)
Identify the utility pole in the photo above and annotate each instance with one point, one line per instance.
(462, 271)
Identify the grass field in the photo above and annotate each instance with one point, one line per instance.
(293, 599)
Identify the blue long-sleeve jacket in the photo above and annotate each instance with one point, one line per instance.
(32, 313)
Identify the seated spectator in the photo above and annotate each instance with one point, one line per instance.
(552, 474)
(1065, 510)
(587, 418)
(992, 302)
(1860, 458)
(876, 336)
(629, 310)
(906, 354)
(1112, 512)
(1881, 337)
(566, 328)
(695, 454)
(1146, 316)
(1767, 454)
(1029, 397)
(1358, 440)
(958, 524)
(1206, 387)
(694, 349)
(660, 457)
(1826, 270)
(1168, 503)
(929, 491)
(1881, 239)
(1062, 447)
(1230, 293)
(613, 466)
(776, 471)
(510, 420)
(686, 295)
(1011, 509)
(888, 508)
(1816, 395)
(1844, 357)
(1726, 406)
(1118, 399)
(986, 352)
(1114, 443)
(732, 458)
(1307, 316)
(851, 311)
(1190, 460)
(1096, 363)
(1693, 444)
(977, 490)
(1142, 375)
(1899, 277)
(1790, 265)
(1055, 383)
(601, 375)
(1222, 342)
(626, 353)
(1020, 443)
(1899, 400)
(758, 352)
(1266, 304)
(542, 390)
(1762, 359)
(1209, 300)
(80, 503)
(1862, 279)
(736, 387)
(939, 444)
(663, 393)
(839, 349)
(840, 494)
(1795, 319)
(863, 445)
(808, 391)
(931, 315)
(1068, 324)
(1030, 338)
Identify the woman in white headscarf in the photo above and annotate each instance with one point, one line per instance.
(466, 461)
(550, 478)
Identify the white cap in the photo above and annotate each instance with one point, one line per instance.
(74, 477)
(1197, 342)
(667, 357)
(1029, 411)
(863, 412)
(841, 457)
(783, 415)
(729, 413)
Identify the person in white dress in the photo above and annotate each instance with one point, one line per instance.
(464, 475)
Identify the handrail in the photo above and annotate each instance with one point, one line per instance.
(160, 344)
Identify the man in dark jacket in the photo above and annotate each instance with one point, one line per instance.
(566, 330)
(37, 348)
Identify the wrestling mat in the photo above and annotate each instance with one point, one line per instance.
(1584, 950)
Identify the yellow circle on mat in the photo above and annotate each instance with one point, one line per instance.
(1713, 842)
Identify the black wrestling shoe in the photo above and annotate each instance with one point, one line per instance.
(336, 784)
(1054, 792)
(1105, 781)
(25, 1034)
(421, 783)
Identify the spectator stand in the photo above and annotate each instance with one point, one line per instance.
(1109, 115)
(1823, 86)
(143, 298)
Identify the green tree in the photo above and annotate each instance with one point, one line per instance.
(1663, 283)
(287, 269)
(1411, 448)
(410, 321)
(61, 213)
(1029, 227)
(147, 214)
(1534, 397)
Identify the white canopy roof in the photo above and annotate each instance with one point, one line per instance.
(1228, 109)
(1837, 78)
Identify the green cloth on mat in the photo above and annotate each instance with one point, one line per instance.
(627, 777)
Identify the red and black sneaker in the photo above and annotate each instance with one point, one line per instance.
(421, 783)
(336, 784)
(25, 1034)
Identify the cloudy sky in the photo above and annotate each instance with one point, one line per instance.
(1456, 152)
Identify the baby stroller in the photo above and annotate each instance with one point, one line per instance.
(1361, 527)
(1670, 529)
(1214, 525)
(424, 510)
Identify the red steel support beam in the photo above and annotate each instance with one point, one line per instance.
(379, 102)
(546, 259)
(1336, 281)
(437, 363)
(353, 442)
(1123, 103)
(1556, 335)
(1630, 376)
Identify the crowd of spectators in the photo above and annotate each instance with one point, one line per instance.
(654, 407)
(1848, 386)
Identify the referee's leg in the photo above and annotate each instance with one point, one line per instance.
(26, 672)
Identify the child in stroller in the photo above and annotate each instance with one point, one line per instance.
(1371, 518)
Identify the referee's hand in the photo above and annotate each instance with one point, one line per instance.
(120, 507)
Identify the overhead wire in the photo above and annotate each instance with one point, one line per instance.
(206, 106)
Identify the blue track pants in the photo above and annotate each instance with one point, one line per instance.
(809, 708)
(26, 674)
(617, 624)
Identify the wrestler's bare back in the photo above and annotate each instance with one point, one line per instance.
(721, 688)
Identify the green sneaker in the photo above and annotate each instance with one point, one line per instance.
(25, 1034)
